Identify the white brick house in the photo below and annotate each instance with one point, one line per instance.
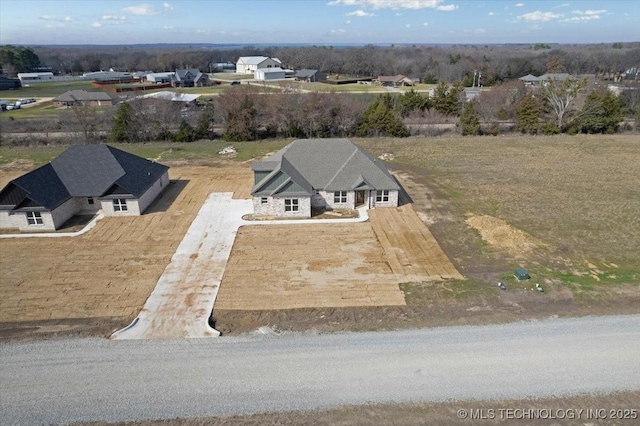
(321, 173)
(81, 180)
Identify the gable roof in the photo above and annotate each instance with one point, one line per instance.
(83, 95)
(82, 171)
(255, 60)
(305, 73)
(328, 164)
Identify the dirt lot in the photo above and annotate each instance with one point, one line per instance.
(102, 279)
(565, 208)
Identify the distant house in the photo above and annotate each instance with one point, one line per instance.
(310, 76)
(34, 77)
(532, 80)
(249, 64)
(159, 77)
(81, 180)
(275, 73)
(395, 80)
(84, 97)
(323, 174)
(172, 96)
(107, 75)
(9, 83)
(189, 78)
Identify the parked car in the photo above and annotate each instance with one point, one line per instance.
(13, 106)
(25, 101)
(235, 83)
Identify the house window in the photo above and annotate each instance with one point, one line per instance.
(34, 218)
(317, 191)
(90, 201)
(291, 205)
(340, 197)
(120, 205)
(382, 196)
(263, 200)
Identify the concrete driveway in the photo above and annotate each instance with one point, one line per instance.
(183, 298)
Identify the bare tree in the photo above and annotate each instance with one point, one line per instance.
(560, 94)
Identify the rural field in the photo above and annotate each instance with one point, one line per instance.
(563, 207)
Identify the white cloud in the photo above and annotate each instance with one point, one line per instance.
(203, 32)
(491, 14)
(519, 4)
(395, 4)
(425, 24)
(480, 31)
(68, 19)
(47, 17)
(447, 8)
(589, 12)
(167, 27)
(141, 10)
(359, 13)
(167, 6)
(96, 25)
(338, 31)
(539, 16)
(587, 15)
(55, 21)
(408, 25)
(113, 18)
(347, 22)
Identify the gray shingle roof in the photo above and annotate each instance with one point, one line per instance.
(305, 73)
(83, 95)
(328, 164)
(83, 171)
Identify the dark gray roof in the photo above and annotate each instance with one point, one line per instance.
(328, 164)
(83, 95)
(83, 171)
(305, 73)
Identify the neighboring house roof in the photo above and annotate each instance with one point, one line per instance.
(394, 79)
(327, 164)
(305, 73)
(82, 171)
(192, 74)
(255, 60)
(83, 96)
(172, 96)
(556, 76)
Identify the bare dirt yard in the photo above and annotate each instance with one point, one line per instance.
(99, 281)
(565, 208)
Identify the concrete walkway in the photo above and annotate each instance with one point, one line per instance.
(183, 298)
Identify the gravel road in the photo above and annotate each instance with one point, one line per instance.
(71, 380)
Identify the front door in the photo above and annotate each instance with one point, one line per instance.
(359, 198)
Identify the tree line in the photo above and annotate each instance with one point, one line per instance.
(430, 64)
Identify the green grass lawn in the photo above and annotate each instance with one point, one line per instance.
(46, 90)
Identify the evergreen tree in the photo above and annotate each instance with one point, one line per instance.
(412, 101)
(528, 114)
(601, 113)
(469, 121)
(122, 129)
(380, 119)
(446, 99)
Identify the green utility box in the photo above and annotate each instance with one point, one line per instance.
(521, 274)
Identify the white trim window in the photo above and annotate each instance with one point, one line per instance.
(291, 205)
(382, 196)
(90, 201)
(120, 205)
(34, 218)
(264, 200)
(340, 197)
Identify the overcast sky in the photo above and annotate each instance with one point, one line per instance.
(318, 21)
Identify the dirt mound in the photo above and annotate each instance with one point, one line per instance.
(498, 233)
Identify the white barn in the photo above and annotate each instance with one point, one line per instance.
(269, 74)
(249, 64)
